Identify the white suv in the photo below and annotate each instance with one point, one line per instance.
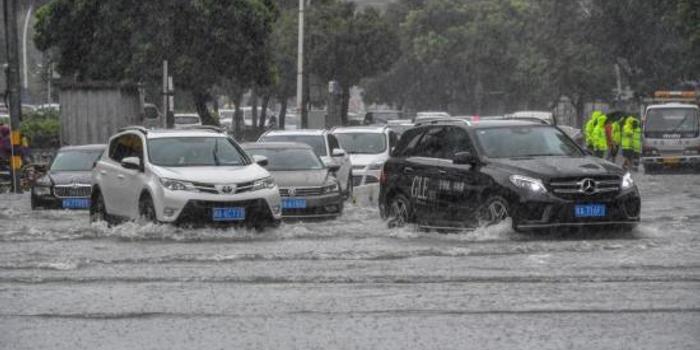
(369, 147)
(182, 176)
(325, 145)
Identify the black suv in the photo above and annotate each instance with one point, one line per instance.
(458, 174)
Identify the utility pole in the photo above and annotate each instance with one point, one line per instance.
(13, 88)
(300, 66)
(166, 95)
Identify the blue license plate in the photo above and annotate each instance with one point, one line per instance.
(76, 203)
(228, 214)
(591, 211)
(290, 203)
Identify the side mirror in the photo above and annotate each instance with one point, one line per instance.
(337, 152)
(133, 163)
(333, 168)
(260, 160)
(465, 158)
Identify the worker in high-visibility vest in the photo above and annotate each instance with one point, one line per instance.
(628, 142)
(600, 138)
(615, 137)
(588, 130)
(637, 142)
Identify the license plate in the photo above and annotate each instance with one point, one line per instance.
(76, 203)
(228, 214)
(591, 211)
(291, 203)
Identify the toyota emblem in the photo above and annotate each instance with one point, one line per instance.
(292, 191)
(588, 186)
(227, 189)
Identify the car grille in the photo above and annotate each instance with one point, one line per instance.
(211, 188)
(301, 192)
(585, 187)
(71, 191)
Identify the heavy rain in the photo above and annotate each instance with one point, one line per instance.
(370, 174)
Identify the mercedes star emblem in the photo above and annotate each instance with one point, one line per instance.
(588, 186)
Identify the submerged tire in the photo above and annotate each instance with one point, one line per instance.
(399, 212)
(147, 211)
(494, 211)
(98, 212)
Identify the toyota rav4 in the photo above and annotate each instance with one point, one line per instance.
(182, 176)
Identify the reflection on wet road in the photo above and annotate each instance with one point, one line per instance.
(352, 283)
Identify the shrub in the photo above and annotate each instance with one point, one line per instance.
(42, 128)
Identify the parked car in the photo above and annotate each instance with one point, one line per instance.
(461, 174)
(185, 120)
(325, 145)
(382, 117)
(369, 147)
(68, 183)
(308, 188)
(183, 177)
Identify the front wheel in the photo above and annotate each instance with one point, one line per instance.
(147, 210)
(98, 212)
(494, 211)
(399, 212)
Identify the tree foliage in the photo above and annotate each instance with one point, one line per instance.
(205, 41)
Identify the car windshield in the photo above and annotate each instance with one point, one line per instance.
(315, 141)
(194, 151)
(362, 143)
(516, 142)
(75, 160)
(186, 120)
(672, 120)
(289, 159)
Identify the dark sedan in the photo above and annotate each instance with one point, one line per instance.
(68, 183)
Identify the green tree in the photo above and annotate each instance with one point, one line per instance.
(206, 41)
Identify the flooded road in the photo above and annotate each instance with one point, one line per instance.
(352, 283)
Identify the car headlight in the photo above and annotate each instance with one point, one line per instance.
(42, 190)
(528, 183)
(627, 181)
(334, 187)
(263, 183)
(177, 185)
(375, 166)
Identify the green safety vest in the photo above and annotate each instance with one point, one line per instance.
(600, 140)
(637, 140)
(628, 135)
(616, 133)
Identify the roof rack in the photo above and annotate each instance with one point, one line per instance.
(140, 128)
(529, 119)
(441, 121)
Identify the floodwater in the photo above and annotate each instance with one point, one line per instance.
(352, 283)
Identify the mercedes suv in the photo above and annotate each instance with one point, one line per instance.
(182, 176)
(459, 174)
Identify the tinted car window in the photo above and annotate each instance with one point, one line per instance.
(128, 145)
(408, 142)
(434, 143)
(457, 140)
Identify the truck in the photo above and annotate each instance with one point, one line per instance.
(671, 131)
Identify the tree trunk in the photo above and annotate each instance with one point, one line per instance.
(254, 108)
(237, 114)
(200, 103)
(283, 113)
(263, 110)
(344, 104)
(306, 96)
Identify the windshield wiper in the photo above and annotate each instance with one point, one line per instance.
(677, 128)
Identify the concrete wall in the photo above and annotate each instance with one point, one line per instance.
(91, 114)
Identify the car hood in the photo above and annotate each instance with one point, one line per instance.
(70, 177)
(546, 168)
(305, 178)
(213, 174)
(366, 159)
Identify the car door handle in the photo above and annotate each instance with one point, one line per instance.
(408, 170)
(120, 177)
(442, 172)
(103, 172)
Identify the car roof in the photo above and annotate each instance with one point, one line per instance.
(92, 147)
(163, 133)
(375, 129)
(275, 145)
(493, 123)
(186, 115)
(673, 104)
(314, 132)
